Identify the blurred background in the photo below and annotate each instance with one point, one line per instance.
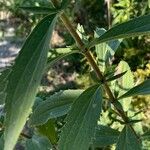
(73, 72)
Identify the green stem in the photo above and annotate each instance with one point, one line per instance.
(92, 63)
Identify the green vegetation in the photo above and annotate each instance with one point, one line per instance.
(107, 105)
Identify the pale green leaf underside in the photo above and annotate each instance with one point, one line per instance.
(105, 51)
(128, 140)
(125, 83)
(55, 106)
(80, 125)
(105, 136)
(25, 78)
(141, 89)
(132, 28)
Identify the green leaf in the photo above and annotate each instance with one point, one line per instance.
(63, 50)
(149, 3)
(4, 74)
(37, 101)
(81, 32)
(141, 89)
(80, 125)
(49, 131)
(3, 84)
(52, 61)
(101, 49)
(25, 78)
(128, 140)
(124, 83)
(135, 121)
(146, 135)
(40, 10)
(38, 143)
(110, 71)
(64, 4)
(132, 28)
(119, 75)
(55, 106)
(105, 136)
(105, 51)
(94, 77)
(2, 142)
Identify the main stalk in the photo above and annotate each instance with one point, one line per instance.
(92, 63)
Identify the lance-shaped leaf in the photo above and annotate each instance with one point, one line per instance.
(105, 136)
(80, 125)
(40, 10)
(55, 106)
(2, 142)
(53, 60)
(141, 89)
(25, 78)
(3, 84)
(128, 140)
(125, 83)
(101, 49)
(146, 135)
(4, 74)
(105, 51)
(132, 28)
(119, 75)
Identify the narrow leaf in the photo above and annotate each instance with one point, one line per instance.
(116, 76)
(101, 49)
(3, 85)
(40, 10)
(128, 140)
(52, 61)
(25, 78)
(55, 106)
(141, 89)
(105, 51)
(124, 83)
(146, 135)
(105, 136)
(4, 74)
(132, 28)
(63, 50)
(80, 125)
(2, 142)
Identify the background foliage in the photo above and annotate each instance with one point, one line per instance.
(134, 54)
